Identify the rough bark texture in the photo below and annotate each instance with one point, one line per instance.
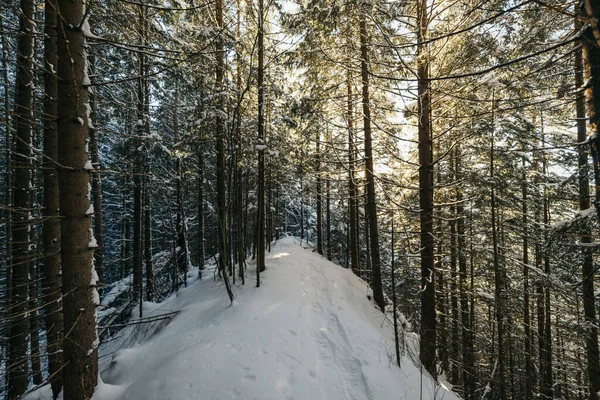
(51, 229)
(220, 131)
(529, 372)
(96, 190)
(369, 173)
(319, 197)
(352, 190)
(20, 224)
(499, 376)
(428, 319)
(80, 342)
(260, 227)
(148, 244)
(591, 54)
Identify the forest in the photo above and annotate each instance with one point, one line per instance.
(447, 152)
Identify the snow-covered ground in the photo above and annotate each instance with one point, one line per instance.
(309, 332)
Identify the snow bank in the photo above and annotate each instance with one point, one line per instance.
(309, 332)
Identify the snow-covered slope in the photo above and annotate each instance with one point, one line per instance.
(309, 332)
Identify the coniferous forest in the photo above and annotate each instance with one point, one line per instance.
(446, 152)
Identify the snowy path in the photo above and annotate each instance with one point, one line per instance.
(308, 333)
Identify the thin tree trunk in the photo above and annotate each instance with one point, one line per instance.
(591, 54)
(319, 199)
(468, 375)
(428, 319)
(51, 282)
(369, 172)
(499, 378)
(201, 253)
(96, 188)
(529, 371)
(148, 243)
(260, 227)
(394, 302)
(220, 132)
(352, 190)
(21, 224)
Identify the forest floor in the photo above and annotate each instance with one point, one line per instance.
(309, 332)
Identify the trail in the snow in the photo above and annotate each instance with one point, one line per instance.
(308, 333)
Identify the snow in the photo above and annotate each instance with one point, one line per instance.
(309, 332)
(87, 32)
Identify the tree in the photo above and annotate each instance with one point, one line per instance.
(591, 54)
(21, 216)
(369, 165)
(51, 229)
(77, 241)
(428, 319)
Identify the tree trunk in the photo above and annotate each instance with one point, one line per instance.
(591, 54)
(21, 224)
(201, 253)
(499, 378)
(80, 297)
(369, 173)
(51, 282)
(394, 303)
(319, 199)
(96, 189)
(221, 166)
(428, 319)
(260, 227)
(148, 243)
(352, 190)
(468, 375)
(529, 371)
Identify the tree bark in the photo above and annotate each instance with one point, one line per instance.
(529, 371)
(96, 188)
(591, 55)
(319, 197)
(79, 276)
(369, 172)
(51, 227)
(499, 378)
(260, 227)
(428, 319)
(21, 214)
(352, 190)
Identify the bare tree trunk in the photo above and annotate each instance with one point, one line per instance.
(319, 197)
(591, 54)
(352, 190)
(201, 253)
(369, 172)
(394, 303)
(80, 297)
(21, 224)
(468, 376)
(499, 378)
(148, 243)
(546, 379)
(529, 372)
(51, 227)
(428, 320)
(96, 188)
(260, 227)
(8, 199)
(220, 133)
